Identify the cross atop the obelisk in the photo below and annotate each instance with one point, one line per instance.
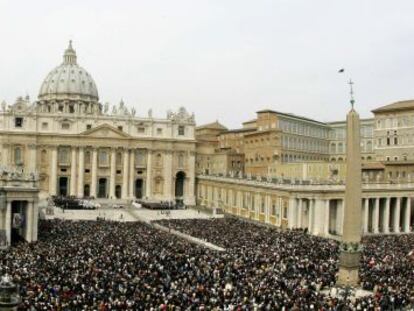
(351, 91)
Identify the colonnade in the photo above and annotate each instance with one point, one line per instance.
(379, 215)
(318, 211)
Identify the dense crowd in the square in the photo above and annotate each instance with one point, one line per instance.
(101, 265)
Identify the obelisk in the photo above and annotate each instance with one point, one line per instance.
(351, 238)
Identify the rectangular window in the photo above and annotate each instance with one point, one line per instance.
(141, 130)
(181, 130)
(120, 128)
(65, 126)
(159, 131)
(18, 122)
(45, 125)
(88, 126)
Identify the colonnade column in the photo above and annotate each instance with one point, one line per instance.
(319, 212)
(366, 215)
(339, 216)
(125, 175)
(407, 216)
(53, 172)
(7, 222)
(73, 172)
(326, 222)
(148, 190)
(396, 215)
(131, 173)
(35, 220)
(299, 214)
(311, 213)
(94, 172)
(375, 216)
(386, 218)
(112, 174)
(291, 213)
(81, 171)
(29, 222)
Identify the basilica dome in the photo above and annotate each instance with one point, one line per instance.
(69, 81)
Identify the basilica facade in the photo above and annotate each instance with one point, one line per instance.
(80, 147)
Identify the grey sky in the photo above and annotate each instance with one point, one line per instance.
(221, 59)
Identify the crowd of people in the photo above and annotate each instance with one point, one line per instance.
(71, 202)
(102, 265)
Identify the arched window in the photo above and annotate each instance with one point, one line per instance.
(18, 160)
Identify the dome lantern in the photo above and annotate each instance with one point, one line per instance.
(69, 58)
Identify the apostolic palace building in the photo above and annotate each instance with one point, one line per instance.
(278, 168)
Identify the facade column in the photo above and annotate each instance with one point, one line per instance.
(366, 216)
(81, 171)
(386, 218)
(132, 173)
(32, 161)
(407, 216)
(94, 174)
(326, 222)
(7, 223)
(148, 183)
(125, 175)
(73, 172)
(397, 213)
(375, 216)
(112, 175)
(191, 179)
(168, 192)
(53, 172)
(319, 217)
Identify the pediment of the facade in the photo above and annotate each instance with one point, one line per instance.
(105, 130)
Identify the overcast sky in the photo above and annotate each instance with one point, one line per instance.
(221, 59)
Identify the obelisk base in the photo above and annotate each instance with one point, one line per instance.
(349, 264)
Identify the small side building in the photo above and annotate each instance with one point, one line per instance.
(19, 212)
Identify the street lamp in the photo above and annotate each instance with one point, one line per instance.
(9, 294)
